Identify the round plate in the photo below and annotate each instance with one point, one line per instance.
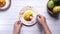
(24, 10)
(8, 3)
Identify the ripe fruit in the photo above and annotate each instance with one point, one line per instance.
(28, 16)
(56, 9)
(2, 3)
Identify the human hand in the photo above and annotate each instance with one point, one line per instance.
(41, 19)
(17, 27)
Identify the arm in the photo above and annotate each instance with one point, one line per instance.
(42, 20)
(46, 29)
(17, 27)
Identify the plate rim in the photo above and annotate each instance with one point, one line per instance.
(27, 10)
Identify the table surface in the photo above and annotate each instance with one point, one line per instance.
(8, 18)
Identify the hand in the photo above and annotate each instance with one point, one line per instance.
(17, 27)
(41, 19)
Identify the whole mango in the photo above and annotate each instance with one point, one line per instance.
(56, 9)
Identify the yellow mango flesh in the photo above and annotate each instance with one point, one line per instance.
(27, 16)
(2, 3)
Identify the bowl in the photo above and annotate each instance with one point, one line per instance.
(50, 12)
(7, 6)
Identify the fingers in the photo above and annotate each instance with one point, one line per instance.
(39, 15)
(38, 18)
(18, 22)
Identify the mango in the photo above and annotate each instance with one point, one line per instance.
(28, 16)
(50, 4)
(56, 9)
(2, 3)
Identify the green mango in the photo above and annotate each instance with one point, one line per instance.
(56, 2)
(56, 9)
(59, 3)
(51, 0)
(50, 4)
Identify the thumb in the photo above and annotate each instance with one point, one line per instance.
(38, 18)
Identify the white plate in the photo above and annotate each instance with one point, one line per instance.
(8, 3)
(25, 9)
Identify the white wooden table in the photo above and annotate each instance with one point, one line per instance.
(8, 18)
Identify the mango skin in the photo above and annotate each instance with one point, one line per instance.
(56, 9)
(50, 4)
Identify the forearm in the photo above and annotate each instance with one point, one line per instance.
(15, 32)
(46, 29)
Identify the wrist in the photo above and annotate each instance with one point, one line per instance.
(16, 31)
(44, 24)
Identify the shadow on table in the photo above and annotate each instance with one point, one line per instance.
(40, 28)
